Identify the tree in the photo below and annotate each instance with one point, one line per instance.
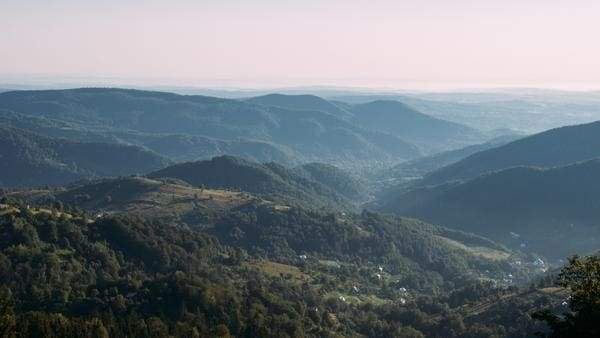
(7, 316)
(581, 276)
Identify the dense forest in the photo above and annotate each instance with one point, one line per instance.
(67, 274)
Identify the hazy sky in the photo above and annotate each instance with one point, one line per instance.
(308, 42)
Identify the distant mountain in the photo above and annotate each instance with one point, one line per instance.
(302, 102)
(144, 117)
(554, 212)
(552, 148)
(271, 180)
(430, 133)
(389, 116)
(488, 110)
(28, 159)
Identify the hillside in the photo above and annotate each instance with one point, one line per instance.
(550, 211)
(142, 117)
(556, 147)
(430, 133)
(417, 168)
(29, 159)
(353, 188)
(272, 180)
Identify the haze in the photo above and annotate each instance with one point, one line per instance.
(367, 43)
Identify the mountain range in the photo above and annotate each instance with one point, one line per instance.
(291, 129)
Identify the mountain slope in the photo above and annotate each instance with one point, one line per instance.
(431, 134)
(551, 211)
(555, 147)
(28, 159)
(419, 167)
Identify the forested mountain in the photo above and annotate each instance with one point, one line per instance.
(431, 134)
(145, 118)
(555, 147)
(553, 211)
(28, 159)
(312, 185)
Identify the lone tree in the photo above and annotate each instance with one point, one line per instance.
(581, 276)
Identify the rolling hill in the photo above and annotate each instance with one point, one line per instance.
(556, 147)
(28, 159)
(552, 211)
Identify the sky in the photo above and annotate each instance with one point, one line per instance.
(262, 43)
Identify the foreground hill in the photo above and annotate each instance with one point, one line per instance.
(554, 211)
(28, 159)
(283, 273)
(552, 148)
(430, 133)
(138, 117)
